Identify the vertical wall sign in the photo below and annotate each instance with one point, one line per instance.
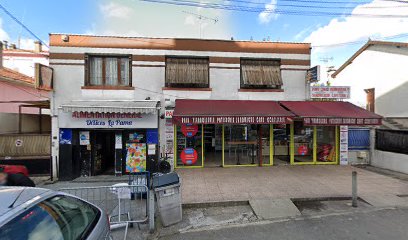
(84, 138)
(169, 147)
(343, 145)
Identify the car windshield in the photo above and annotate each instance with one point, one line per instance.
(57, 218)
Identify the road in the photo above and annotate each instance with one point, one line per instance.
(390, 224)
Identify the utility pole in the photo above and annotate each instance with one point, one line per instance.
(201, 18)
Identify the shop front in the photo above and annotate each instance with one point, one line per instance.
(112, 137)
(226, 132)
(210, 133)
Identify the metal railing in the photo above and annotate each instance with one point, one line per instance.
(125, 204)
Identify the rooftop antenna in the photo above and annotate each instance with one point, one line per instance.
(326, 61)
(201, 18)
(21, 29)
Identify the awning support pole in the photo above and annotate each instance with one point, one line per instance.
(260, 145)
(223, 144)
(40, 119)
(292, 144)
(314, 145)
(271, 144)
(19, 119)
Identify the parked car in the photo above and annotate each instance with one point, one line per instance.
(13, 169)
(36, 213)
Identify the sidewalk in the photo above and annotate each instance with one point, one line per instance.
(248, 183)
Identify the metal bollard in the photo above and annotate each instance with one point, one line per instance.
(151, 211)
(354, 188)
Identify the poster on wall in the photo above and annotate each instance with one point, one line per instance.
(118, 141)
(343, 145)
(169, 146)
(84, 138)
(189, 156)
(189, 130)
(135, 157)
(65, 136)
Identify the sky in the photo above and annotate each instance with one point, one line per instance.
(334, 36)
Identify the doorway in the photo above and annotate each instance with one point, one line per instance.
(103, 152)
(213, 145)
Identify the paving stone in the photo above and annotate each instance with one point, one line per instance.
(385, 200)
(274, 208)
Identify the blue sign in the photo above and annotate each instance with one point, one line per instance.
(313, 74)
(65, 136)
(152, 136)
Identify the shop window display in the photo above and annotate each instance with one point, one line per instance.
(303, 143)
(326, 144)
(266, 142)
(189, 145)
(241, 144)
(281, 140)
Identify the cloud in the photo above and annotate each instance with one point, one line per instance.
(3, 34)
(145, 19)
(189, 20)
(28, 44)
(349, 29)
(305, 31)
(24, 43)
(269, 13)
(115, 10)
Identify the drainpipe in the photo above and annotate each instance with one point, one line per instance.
(1, 55)
(370, 99)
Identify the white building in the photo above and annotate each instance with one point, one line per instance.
(382, 66)
(24, 60)
(235, 103)
(379, 68)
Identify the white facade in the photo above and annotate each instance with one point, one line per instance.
(148, 80)
(382, 67)
(24, 61)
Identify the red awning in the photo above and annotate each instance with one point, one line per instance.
(230, 112)
(331, 113)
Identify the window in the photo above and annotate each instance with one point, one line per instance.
(108, 71)
(60, 218)
(187, 72)
(260, 74)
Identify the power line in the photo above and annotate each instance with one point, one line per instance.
(321, 2)
(22, 25)
(320, 5)
(360, 41)
(241, 8)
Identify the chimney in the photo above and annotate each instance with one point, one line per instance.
(37, 46)
(1, 55)
(370, 99)
(5, 44)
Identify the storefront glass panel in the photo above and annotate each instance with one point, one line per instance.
(213, 145)
(326, 144)
(303, 143)
(281, 146)
(240, 144)
(265, 133)
(189, 145)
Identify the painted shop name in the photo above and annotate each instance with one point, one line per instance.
(108, 123)
(105, 115)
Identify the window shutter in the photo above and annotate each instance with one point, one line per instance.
(187, 71)
(261, 73)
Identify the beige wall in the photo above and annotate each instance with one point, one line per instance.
(30, 123)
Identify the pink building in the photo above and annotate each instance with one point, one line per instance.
(18, 94)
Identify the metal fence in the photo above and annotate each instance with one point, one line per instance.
(125, 204)
(18, 145)
(391, 140)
